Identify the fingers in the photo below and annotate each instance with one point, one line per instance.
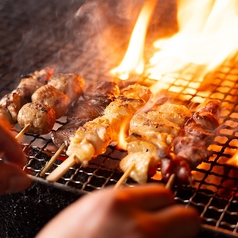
(12, 179)
(176, 221)
(10, 147)
(146, 197)
(94, 214)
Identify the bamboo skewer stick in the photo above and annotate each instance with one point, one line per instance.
(52, 160)
(22, 132)
(170, 182)
(62, 169)
(124, 176)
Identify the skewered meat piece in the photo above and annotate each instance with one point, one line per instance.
(103, 90)
(86, 110)
(143, 154)
(174, 164)
(93, 138)
(11, 103)
(152, 134)
(52, 97)
(40, 117)
(190, 149)
(70, 84)
(29, 84)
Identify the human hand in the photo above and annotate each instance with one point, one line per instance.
(12, 177)
(140, 212)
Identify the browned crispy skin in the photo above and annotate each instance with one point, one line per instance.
(151, 136)
(40, 117)
(82, 112)
(90, 107)
(52, 97)
(190, 149)
(70, 84)
(11, 103)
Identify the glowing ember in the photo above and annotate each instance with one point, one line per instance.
(233, 160)
(133, 61)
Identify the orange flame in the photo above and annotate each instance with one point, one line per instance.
(124, 126)
(207, 36)
(133, 61)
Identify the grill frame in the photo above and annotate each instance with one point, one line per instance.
(21, 56)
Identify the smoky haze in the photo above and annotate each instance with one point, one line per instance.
(84, 37)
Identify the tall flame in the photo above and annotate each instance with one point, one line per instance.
(207, 36)
(133, 61)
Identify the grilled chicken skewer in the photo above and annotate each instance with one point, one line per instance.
(93, 137)
(12, 102)
(90, 107)
(151, 136)
(49, 103)
(177, 152)
(93, 105)
(190, 149)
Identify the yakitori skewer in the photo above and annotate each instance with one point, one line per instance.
(124, 177)
(52, 160)
(90, 107)
(12, 102)
(151, 136)
(93, 137)
(172, 137)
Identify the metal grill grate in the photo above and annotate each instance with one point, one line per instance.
(28, 45)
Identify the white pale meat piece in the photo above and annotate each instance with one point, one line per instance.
(52, 97)
(151, 123)
(70, 84)
(142, 146)
(40, 118)
(143, 162)
(163, 123)
(174, 113)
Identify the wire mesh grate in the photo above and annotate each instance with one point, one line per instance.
(32, 48)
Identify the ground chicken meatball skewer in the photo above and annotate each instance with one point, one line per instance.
(151, 136)
(12, 102)
(49, 103)
(94, 137)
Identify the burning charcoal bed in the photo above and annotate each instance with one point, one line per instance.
(64, 35)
